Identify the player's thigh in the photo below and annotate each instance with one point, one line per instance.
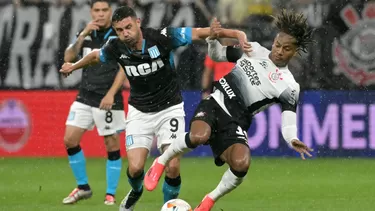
(170, 126)
(139, 129)
(137, 150)
(228, 131)
(73, 136)
(237, 156)
(79, 120)
(203, 124)
(109, 122)
(112, 142)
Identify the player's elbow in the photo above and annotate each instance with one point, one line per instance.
(95, 55)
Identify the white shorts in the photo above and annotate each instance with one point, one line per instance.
(167, 125)
(86, 117)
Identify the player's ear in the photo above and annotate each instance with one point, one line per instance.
(138, 21)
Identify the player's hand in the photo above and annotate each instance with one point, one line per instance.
(215, 29)
(91, 26)
(300, 147)
(66, 69)
(107, 102)
(245, 45)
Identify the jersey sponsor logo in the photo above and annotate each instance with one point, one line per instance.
(144, 69)
(124, 56)
(227, 88)
(164, 32)
(173, 136)
(15, 125)
(274, 76)
(154, 52)
(248, 67)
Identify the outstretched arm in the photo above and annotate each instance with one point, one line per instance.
(215, 31)
(92, 58)
(220, 53)
(289, 100)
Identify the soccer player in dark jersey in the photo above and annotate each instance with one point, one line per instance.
(85, 113)
(223, 119)
(155, 103)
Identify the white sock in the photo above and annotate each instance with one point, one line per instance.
(228, 182)
(177, 147)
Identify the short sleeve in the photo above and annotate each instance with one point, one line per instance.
(289, 98)
(233, 53)
(107, 52)
(178, 36)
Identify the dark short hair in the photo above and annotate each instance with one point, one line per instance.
(92, 2)
(295, 25)
(123, 12)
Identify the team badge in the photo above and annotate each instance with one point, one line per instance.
(154, 52)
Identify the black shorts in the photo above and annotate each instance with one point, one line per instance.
(226, 130)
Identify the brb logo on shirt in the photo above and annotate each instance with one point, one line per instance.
(144, 69)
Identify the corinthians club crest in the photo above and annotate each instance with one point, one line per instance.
(354, 52)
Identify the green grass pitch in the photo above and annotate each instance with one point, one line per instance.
(33, 184)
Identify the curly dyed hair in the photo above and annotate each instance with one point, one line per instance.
(295, 24)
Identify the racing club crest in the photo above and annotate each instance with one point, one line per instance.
(354, 51)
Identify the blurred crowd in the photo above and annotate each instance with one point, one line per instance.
(253, 17)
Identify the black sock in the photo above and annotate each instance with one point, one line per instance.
(74, 150)
(174, 182)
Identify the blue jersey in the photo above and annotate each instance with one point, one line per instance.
(151, 71)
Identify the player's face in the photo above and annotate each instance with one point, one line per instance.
(283, 49)
(101, 12)
(128, 30)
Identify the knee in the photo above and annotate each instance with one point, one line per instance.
(199, 137)
(135, 170)
(240, 164)
(172, 170)
(112, 143)
(70, 141)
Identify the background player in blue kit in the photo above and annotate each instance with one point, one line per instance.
(155, 103)
(84, 113)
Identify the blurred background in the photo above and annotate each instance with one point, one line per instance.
(337, 75)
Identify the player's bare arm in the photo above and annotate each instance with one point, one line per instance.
(215, 31)
(108, 100)
(218, 32)
(92, 58)
(72, 51)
